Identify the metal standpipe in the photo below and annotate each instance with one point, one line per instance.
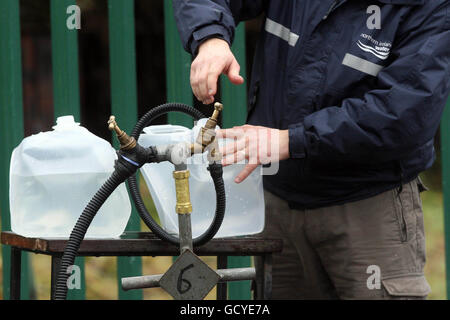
(176, 281)
(184, 206)
(189, 277)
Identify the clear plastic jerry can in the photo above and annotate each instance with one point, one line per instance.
(55, 174)
(244, 214)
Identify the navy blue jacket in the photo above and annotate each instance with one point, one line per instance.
(362, 97)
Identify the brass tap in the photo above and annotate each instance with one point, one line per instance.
(183, 205)
(126, 142)
(214, 119)
(205, 138)
(207, 134)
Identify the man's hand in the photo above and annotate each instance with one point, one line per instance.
(257, 145)
(214, 58)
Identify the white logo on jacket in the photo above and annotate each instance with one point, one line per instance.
(379, 49)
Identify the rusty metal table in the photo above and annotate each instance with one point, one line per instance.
(146, 244)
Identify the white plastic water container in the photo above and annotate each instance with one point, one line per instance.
(55, 174)
(244, 214)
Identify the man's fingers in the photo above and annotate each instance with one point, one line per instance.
(194, 82)
(237, 143)
(245, 172)
(204, 78)
(233, 158)
(233, 133)
(202, 85)
(214, 58)
(199, 75)
(233, 73)
(213, 76)
(233, 147)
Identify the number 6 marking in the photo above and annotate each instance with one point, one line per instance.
(181, 280)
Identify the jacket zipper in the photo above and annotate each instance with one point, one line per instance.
(333, 5)
(336, 4)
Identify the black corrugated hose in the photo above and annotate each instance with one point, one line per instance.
(121, 173)
(215, 170)
(123, 170)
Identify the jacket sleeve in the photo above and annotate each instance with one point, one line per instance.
(400, 115)
(198, 20)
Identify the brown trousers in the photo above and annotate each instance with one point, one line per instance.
(368, 249)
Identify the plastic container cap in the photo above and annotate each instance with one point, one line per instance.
(65, 123)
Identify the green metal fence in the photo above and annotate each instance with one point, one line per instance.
(66, 86)
(124, 106)
(66, 94)
(445, 150)
(11, 124)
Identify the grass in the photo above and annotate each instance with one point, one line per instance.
(435, 244)
(101, 272)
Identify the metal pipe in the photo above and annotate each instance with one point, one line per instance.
(236, 274)
(226, 275)
(183, 206)
(185, 230)
(141, 282)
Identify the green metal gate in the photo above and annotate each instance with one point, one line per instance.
(66, 94)
(445, 149)
(124, 106)
(11, 123)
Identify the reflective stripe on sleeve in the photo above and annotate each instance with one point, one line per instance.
(361, 65)
(281, 31)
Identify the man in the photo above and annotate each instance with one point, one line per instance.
(355, 91)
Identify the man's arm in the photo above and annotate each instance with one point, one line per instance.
(396, 118)
(198, 20)
(207, 30)
(389, 122)
(214, 58)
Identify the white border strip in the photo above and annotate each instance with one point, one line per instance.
(282, 32)
(361, 65)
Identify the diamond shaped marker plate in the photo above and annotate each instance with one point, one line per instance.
(189, 278)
